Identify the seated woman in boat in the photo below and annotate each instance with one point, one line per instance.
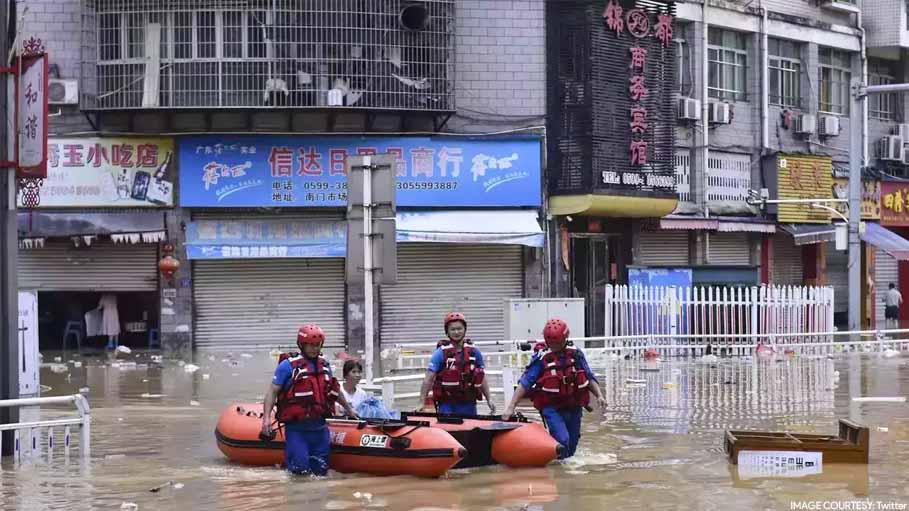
(306, 393)
(561, 390)
(455, 372)
(352, 373)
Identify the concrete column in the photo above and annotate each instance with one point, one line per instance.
(176, 297)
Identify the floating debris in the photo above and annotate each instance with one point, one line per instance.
(84, 390)
(58, 368)
(190, 368)
(246, 355)
(147, 395)
(206, 376)
(123, 349)
(194, 403)
(129, 506)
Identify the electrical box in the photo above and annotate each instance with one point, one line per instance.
(525, 317)
(28, 344)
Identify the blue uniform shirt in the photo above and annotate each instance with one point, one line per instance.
(438, 359)
(283, 375)
(535, 368)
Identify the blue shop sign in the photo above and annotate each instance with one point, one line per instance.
(281, 171)
(260, 239)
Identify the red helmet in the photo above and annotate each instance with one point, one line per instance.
(555, 331)
(454, 316)
(310, 334)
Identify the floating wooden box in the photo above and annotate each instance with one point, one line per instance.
(850, 446)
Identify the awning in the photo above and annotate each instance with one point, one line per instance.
(807, 234)
(732, 226)
(38, 224)
(617, 206)
(689, 224)
(513, 227)
(886, 240)
(265, 239)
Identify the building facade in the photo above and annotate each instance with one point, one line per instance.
(253, 109)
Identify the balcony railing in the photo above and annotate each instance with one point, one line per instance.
(268, 54)
(728, 177)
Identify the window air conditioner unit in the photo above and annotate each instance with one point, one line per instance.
(841, 6)
(902, 131)
(689, 109)
(890, 148)
(63, 92)
(720, 113)
(805, 124)
(905, 156)
(829, 126)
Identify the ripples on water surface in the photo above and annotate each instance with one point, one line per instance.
(659, 446)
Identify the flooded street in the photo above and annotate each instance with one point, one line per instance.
(658, 447)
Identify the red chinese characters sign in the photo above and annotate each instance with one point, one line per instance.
(894, 203)
(637, 23)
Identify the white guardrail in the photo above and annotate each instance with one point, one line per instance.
(404, 357)
(29, 438)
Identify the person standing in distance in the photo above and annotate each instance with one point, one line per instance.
(893, 299)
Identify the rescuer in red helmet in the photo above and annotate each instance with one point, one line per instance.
(560, 382)
(306, 393)
(455, 372)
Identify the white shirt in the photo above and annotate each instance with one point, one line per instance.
(356, 398)
(893, 298)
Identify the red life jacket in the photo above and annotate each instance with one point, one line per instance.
(458, 381)
(311, 394)
(561, 384)
(447, 342)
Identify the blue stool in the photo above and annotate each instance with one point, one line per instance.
(154, 338)
(73, 328)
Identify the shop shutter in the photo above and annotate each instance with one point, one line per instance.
(732, 248)
(787, 261)
(260, 303)
(886, 270)
(435, 279)
(103, 266)
(663, 248)
(837, 276)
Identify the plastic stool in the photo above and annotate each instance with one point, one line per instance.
(73, 328)
(154, 338)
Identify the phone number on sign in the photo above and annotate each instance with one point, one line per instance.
(417, 185)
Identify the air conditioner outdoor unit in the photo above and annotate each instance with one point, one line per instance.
(891, 148)
(829, 126)
(902, 131)
(905, 155)
(63, 92)
(720, 113)
(689, 109)
(841, 6)
(805, 124)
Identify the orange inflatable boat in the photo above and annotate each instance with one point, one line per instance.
(367, 446)
(490, 440)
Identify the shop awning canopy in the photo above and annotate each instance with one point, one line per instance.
(807, 234)
(513, 227)
(33, 224)
(886, 240)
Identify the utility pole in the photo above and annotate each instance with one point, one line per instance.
(860, 93)
(9, 246)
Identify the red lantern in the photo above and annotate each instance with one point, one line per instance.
(168, 265)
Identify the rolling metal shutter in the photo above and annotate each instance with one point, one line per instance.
(837, 276)
(787, 261)
(886, 270)
(664, 248)
(729, 248)
(261, 303)
(435, 279)
(104, 266)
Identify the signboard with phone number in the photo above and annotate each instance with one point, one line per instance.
(276, 171)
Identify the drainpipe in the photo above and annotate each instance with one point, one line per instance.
(765, 84)
(701, 177)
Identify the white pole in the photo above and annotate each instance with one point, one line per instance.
(367, 264)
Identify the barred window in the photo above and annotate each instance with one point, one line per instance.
(882, 106)
(834, 78)
(727, 53)
(785, 73)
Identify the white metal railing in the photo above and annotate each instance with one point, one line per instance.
(643, 310)
(38, 434)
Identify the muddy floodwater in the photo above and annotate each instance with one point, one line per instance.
(659, 445)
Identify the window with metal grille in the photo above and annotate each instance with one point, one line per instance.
(683, 60)
(268, 53)
(727, 53)
(882, 106)
(834, 76)
(785, 73)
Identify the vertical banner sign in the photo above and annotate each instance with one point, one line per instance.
(637, 34)
(804, 177)
(31, 111)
